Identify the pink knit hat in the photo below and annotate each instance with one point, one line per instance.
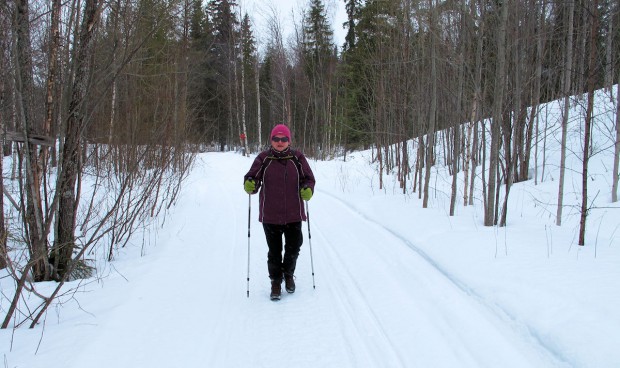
(281, 129)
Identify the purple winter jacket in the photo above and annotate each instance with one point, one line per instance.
(280, 176)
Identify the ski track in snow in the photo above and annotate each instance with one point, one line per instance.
(503, 320)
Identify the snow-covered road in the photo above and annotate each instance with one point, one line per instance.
(379, 300)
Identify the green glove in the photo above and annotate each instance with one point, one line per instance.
(249, 186)
(305, 194)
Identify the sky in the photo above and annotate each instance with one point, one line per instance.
(382, 282)
(289, 12)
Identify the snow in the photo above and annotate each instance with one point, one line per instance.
(397, 285)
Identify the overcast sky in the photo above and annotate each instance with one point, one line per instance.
(289, 12)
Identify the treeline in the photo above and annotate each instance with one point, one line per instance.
(408, 70)
(122, 92)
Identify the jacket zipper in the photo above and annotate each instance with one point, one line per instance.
(285, 187)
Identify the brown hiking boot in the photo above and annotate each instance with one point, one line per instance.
(276, 289)
(289, 283)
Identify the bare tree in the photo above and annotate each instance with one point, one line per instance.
(536, 92)
(609, 65)
(71, 151)
(432, 116)
(470, 155)
(588, 123)
(244, 131)
(566, 83)
(500, 77)
(4, 78)
(29, 127)
(259, 127)
(473, 117)
(614, 188)
(52, 73)
(458, 113)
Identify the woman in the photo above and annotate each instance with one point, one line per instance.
(285, 180)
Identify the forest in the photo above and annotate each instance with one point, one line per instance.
(125, 93)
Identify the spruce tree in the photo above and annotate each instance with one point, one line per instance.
(224, 54)
(319, 66)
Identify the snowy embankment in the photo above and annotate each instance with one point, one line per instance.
(396, 285)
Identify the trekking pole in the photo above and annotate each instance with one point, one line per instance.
(310, 244)
(249, 216)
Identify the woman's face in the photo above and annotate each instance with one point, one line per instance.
(279, 142)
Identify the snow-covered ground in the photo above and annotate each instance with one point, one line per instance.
(396, 285)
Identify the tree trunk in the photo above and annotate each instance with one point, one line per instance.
(235, 83)
(588, 126)
(475, 115)
(419, 166)
(609, 66)
(568, 62)
(18, 292)
(25, 97)
(468, 155)
(3, 234)
(456, 143)
(533, 119)
(457, 128)
(4, 78)
(259, 129)
(244, 140)
(115, 9)
(474, 163)
(512, 130)
(614, 188)
(580, 75)
(70, 166)
(430, 134)
(52, 72)
(544, 151)
(500, 77)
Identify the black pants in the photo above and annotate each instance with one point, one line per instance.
(276, 264)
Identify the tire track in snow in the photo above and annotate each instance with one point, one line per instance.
(527, 335)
